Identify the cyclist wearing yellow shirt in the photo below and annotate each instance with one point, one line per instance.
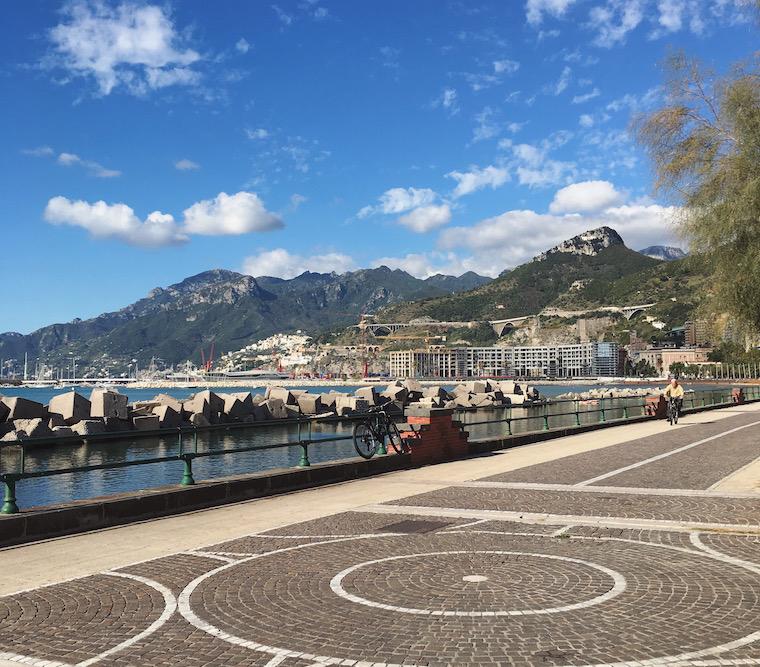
(675, 391)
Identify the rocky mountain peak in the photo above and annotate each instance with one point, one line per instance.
(589, 243)
(666, 253)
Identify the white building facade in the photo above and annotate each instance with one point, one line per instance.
(592, 359)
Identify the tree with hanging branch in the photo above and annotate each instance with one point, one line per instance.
(704, 143)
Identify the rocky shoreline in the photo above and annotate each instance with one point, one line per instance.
(72, 414)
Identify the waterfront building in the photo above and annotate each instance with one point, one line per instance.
(548, 361)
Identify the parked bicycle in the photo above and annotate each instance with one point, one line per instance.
(378, 428)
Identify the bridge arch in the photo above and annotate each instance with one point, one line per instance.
(503, 328)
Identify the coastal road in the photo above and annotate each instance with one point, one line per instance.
(637, 545)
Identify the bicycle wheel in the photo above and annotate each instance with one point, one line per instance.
(675, 414)
(394, 437)
(365, 440)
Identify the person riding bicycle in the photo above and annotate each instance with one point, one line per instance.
(674, 391)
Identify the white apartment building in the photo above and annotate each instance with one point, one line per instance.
(550, 361)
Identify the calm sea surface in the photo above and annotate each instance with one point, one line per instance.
(75, 486)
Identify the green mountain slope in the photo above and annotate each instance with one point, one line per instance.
(529, 288)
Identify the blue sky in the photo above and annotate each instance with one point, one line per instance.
(144, 143)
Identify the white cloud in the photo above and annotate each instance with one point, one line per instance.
(425, 218)
(284, 18)
(296, 200)
(242, 45)
(615, 20)
(514, 128)
(517, 236)
(40, 151)
(117, 221)
(130, 45)
(585, 197)
(240, 213)
(486, 127)
(563, 82)
(186, 165)
(586, 120)
(447, 100)
(399, 200)
(94, 168)
(477, 179)
(282, 264)
(424, 265)
(533, 166)
(535, 9)
(258, 133)
(505, 66)
(580, 99)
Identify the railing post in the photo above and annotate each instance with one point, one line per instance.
(625, 412)
(304, 461)
(546, 422)
(577, 417)
(602, 416)
(509, 426)
(187, 474)
(382, 449)
(9, 499)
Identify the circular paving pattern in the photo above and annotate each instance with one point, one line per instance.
(434, 585)
(534, 599)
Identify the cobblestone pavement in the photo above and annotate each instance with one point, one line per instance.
(419, 582)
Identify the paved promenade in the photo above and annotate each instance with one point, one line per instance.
(634, 546)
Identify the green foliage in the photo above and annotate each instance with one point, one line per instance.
(705, 146)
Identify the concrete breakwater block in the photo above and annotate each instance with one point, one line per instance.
(146, 423)
(282, 394)
(368, 394)
(168, 417)
(215, 402)
(89, 427)
(197, 405)
(4, 410)
(237, 406)
(71, 407)
(32, 428)
(275, 408)
(106, 403)
(310, 404)
(23, 408)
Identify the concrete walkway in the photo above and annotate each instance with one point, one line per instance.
(646, 533)
(61, 559)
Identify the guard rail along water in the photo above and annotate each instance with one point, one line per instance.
(615, 410)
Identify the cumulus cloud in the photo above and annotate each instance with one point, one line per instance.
(115, 221)
(516, 236)
(586, 120)
(240, 213)
(186, 165)
(73, 160)
(280, 263)
(131, 45)
(399, 200)
(425, 218)
(477, 179)
(585, 197)
(535, 9)
(242, 45)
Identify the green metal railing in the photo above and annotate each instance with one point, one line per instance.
(606, 413)
(609, 406)
(185, 455)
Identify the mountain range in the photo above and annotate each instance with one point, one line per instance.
(665, 252)
(231, 309)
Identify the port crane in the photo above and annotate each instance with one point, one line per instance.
(207, 362)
